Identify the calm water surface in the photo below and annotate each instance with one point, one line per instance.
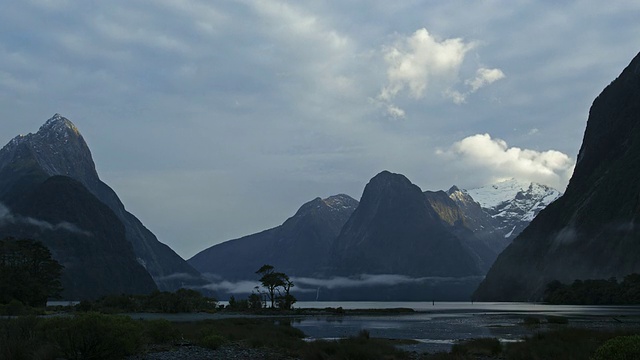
(436, 326)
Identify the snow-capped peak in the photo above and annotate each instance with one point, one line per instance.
(491, 196)
(512, 203)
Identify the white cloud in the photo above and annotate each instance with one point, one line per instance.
(395, 112)
(422, 64)
(421, 61)
(239, 287)
(480, 153)
(484, 77)
(7, 217)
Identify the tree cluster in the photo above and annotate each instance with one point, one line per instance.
(28, 273)
(277, 286)
(181, 301)
(595, 292)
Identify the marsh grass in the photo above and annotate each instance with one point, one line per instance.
(99, 336)
(480, 346)
(254, 333)
(565, 343)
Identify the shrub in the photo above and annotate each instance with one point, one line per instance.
(20, 340)
(480, 346)
(14, 308)
(160, 331)
(212, 341)
(566, 343)
(94, 336)
(619, 348)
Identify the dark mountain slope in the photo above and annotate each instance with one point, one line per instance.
(460, 223)
(298, 247)
(395, 230)
(83, 234)
(58, 148)
(592, 231)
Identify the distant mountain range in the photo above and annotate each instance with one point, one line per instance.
(397, 243)
(50, 191)
(592, 231)
(440, 243)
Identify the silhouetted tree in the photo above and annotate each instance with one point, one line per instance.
(28, 273)
(271, 281)
(287, 300)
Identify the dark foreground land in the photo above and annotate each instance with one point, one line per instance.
(100, 336)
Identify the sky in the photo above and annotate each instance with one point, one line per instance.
(218, 119)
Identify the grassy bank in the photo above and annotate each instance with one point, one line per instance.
(100, 336)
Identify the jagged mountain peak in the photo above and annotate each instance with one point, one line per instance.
(453, 190)
(510, 204)
(58, 148)
(494, 195)
(341, 202)
(58, 124)
(335, 203)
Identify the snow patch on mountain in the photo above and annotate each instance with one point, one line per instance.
(513, 204)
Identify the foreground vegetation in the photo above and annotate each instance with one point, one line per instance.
(28, 273)
(567, 343)
(100, 336)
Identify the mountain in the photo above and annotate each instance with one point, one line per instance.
(58, 148)
(463, 222)
(298, 247)
(83, 235)
(435, 244)
(497, 213)
(592, 230)
(513, 203)
(395, 230)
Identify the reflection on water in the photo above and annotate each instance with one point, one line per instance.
(437, 326)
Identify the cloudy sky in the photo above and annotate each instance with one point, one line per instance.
(217, 119)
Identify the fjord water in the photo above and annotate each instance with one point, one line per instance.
(436, 326)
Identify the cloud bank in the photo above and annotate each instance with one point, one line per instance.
(306, 284)
(6, 217)
(493, 157)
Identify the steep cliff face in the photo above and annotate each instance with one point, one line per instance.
(83, 235)
(395, 230)
(592, 231)
(58, 148)
(299, 247)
